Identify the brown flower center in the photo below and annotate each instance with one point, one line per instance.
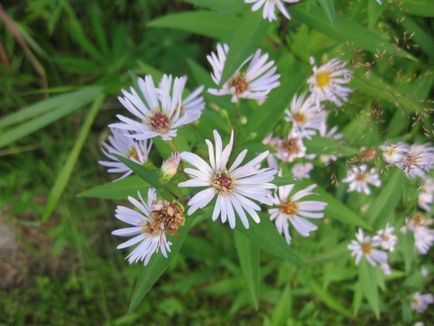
(160, 122)
(367, 154)
(222, 181)
(366, 248)
(240, 84)
(289, 207)
(166, 216)
(299, 117)
(291, 145)
(322, 79)
(362, 177)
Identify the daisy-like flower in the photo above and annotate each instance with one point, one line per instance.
(160, 111)
(365, 246)
(305, 116)
(236, 187)
(385, 238)
(394, 153)
(301, 171)
(119, 143)
(269, 11)
(423, 239)
(327, 82)
(253, 82)
(292, 209)
(417, 161)
(149, 224)
(332, 134)
(420, 302)
(359, 179)
(287, 150)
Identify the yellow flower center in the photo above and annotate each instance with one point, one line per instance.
(289, 207)
(240, 84)
(322, 79)
(361, 177)
(299, 117)
(366, 248)
(133, 155)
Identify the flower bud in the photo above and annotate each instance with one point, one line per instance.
(169, 167)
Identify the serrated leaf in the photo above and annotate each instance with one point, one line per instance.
(117, 190)
(248, 254)
(368, 282)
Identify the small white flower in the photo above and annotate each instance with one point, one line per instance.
(385, 238)
(420, 302)
(150, 237)
(287, 150)
(119, 143)
(236, 187)
(305, 116)
(364, 246)
(412, 223)
(253, 82)
(292, 209)
(423, 239)
(394, 153)
(327, 82)
(424, 272)
(301, 171)
(269, 11)
(417, 161)
(169, 166)
(359, 178)
(160, 110)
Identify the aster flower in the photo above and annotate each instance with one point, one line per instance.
(160, 111)
(294, 210)
(253, 82)
(236, 187)
(305, 116)
(417, 161)
(420, 302)
(394, 153)
(287, 150)
(269, 11)
(426, 197)
(301, 171)
(385, 238)
(359, 179)
(119, 143)
(365, 246)
(327, 82)
(150, 222)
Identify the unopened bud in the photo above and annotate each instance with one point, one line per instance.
(169, 167)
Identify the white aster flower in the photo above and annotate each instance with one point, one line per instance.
(327, 82)
(160, 111)
(292, 209)
(119, 143)
(306, 117)
(146, 231)
(301, 170)
(253, 82)
(287, 150)
(365, 246)
(359, 179)
(394, 153)
(423, 239)
(269, 11)
(417, 161)
(420, 302)
(236, 187)
(385, 238)
(425, 201)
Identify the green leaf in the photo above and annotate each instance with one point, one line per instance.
(420, 35)
(248, 254)
(150, 274)
(245, 40)
(328, 299)
(320, 145)
(347, 30)
(225, 6)
(422, 8)
(68, 167)
(204, 23)
(117, 190)
(265, 236)
(329, 9)
(282, 310)
(386, 201)
(368, 282)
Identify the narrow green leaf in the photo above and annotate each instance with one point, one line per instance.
(117, 190)
(225, 6)
(265, 236)
(204, 23)
(328, 299)
(244, 42)
(68, 167)
(384, 204)
(368, 282)
(346, 30)
(422, 8)
(320, 145)
(420, 35)
(329, 9)
(150, 274)
(248, 254)
(282, 310)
